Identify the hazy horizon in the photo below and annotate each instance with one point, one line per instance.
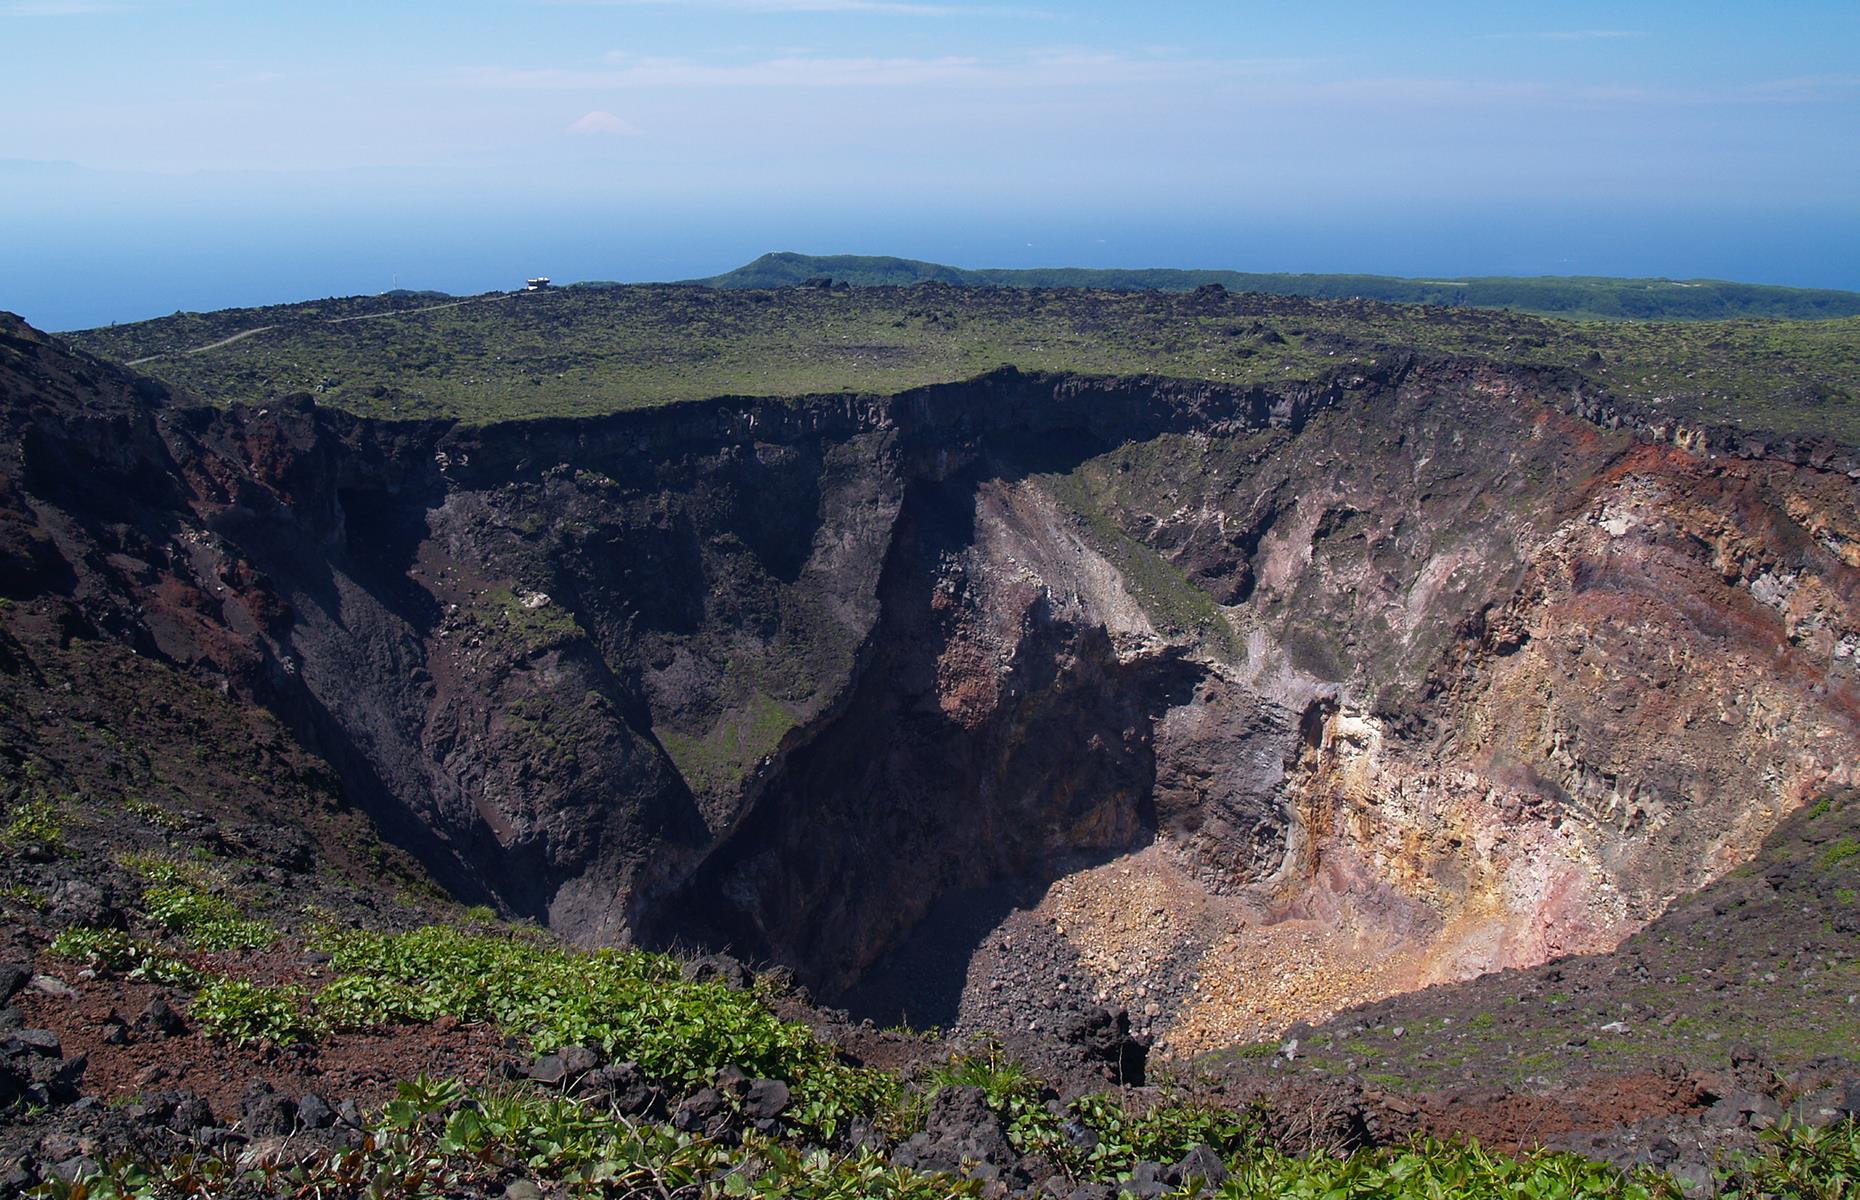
(205, 155)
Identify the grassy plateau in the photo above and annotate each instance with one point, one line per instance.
(589, 350)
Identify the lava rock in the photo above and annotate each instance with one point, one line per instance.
(1104, 1035)
(625, 1089)
(1079, 1136)
(181, 1111)
(733, 1082)
(13, 978)
(697, 1110)
(34, 1041)
(158, 1019)
(263, 1112)
(962, 1135)
(549, 1070)
(1148, 1180)
(17, 1176)
(37, 1075)
(76, 903)
(720, 968)
(314, 1112)
(1201, 1165)
(578, 1060)
(767, 1099)
(71, 1170)
(115, 1030)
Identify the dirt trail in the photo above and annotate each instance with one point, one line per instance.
(237, 337)
(256, 330)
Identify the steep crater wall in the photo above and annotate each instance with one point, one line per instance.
(1415, 672)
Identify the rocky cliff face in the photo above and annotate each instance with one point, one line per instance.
(1419, 671)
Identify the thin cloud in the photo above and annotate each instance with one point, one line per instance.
(60, 8)
(899, 8)
(1041, 68)
(599, 123)
(1573, 35)
(1805, 87)
(774, 72)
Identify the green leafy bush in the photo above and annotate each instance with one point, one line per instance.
(1121, 1138)
(36, 821)
(369, 1001)
(1799, 1162)
(1838, 852)
(440, 1139)
(207, 921)
(627, 1003)
(111, 949)
(1435, 1170)
(114, 950)
(241, 1011)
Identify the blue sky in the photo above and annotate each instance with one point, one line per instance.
(160, 155)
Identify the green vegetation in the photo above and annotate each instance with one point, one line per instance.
(238, 1010)
(114, 950)
(1799, 1162)
(723, 756)
(440, 1138)
(176, 896)
(1429, 1169)
(161, 818)
(629, 1004)
(586, 351)
(108, 948)
(1169, 599)
(1838, 852)
(208, 922)
(529, 616)
(1565, 296)
(37, 821)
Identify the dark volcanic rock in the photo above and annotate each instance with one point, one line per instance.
(76, 902)
(1104, 1035)
(158, 1019)
(264, 1112)
(13, 977)
(962, 1136)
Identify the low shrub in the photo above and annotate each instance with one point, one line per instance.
(207, 921)
(628, 1004)
(238, 1010)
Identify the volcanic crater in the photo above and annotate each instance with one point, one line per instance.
(1235, 706)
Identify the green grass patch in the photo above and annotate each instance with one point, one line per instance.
(719, 759)
(1432, 1170)
(1838, 852)
(1172, 603)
